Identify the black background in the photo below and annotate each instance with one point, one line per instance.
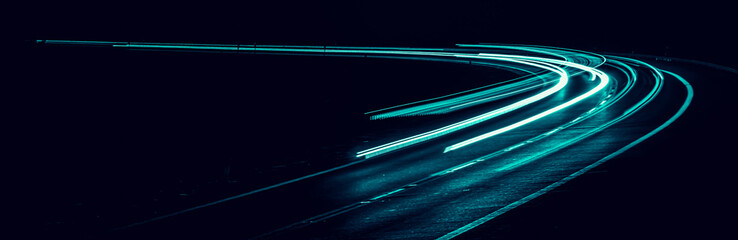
(683, 29)
(702, 30)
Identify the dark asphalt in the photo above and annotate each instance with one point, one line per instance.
(670, 186)
(441, 206)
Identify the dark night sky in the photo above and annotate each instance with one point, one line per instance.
(675, 28)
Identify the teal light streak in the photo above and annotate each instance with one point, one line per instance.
(519, 48)
(467, 99)
(387, 48)
(604, 80)
(626, 89)
(570, 55)
(513, 205)
(599, 87)
(448, 102)
(289, 46)
(386, 194)
(565, 63)
(236, 48)
(563, 80)
(458, 126)
(75, 42)
(629, 84)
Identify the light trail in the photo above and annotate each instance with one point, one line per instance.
(464, 101)
(604, 80)
(488, 217)
(562, 81)
(631, 78)
(558, 68)
(489, 115)
(547, 64)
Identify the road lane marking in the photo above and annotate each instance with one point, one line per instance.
(488, 217)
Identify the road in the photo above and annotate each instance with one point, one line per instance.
(670, 186)
(424, 191)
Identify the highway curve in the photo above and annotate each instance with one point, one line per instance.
(487, 151)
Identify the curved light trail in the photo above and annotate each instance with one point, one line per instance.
(548, 71)
(604, 80)
(488, 217)
(562, 81)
